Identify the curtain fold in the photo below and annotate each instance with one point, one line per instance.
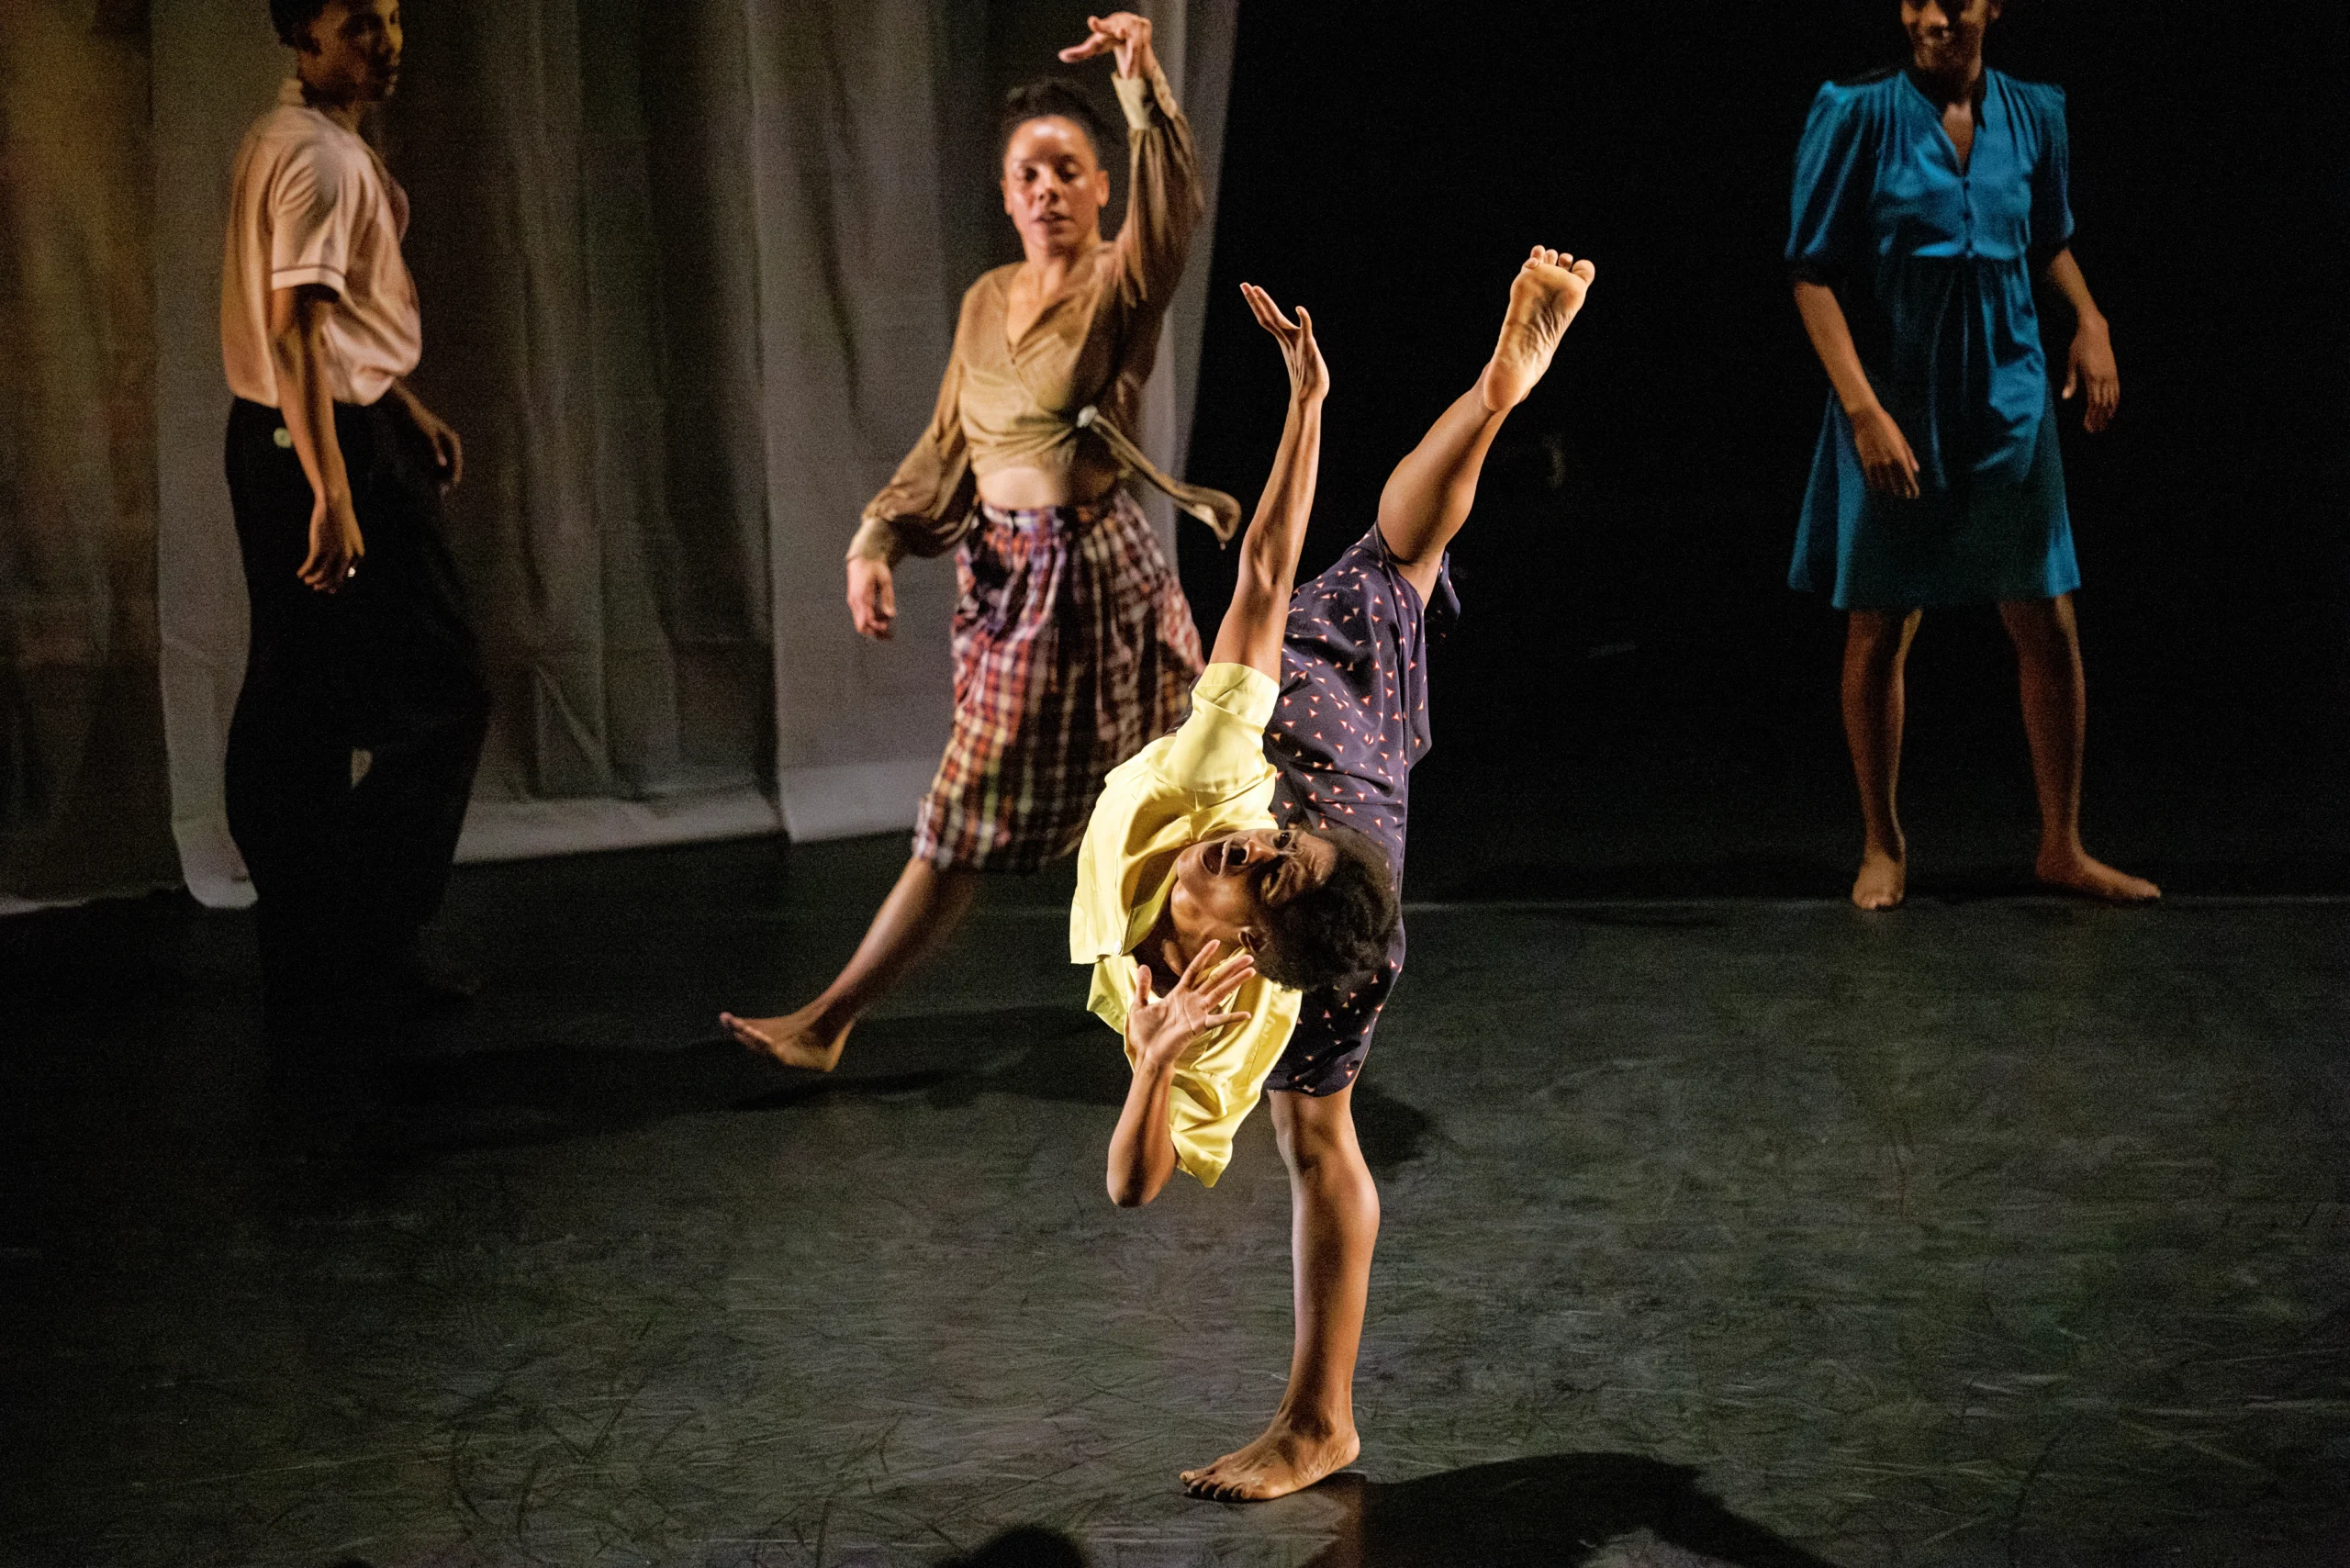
(84, 804)
(581, 246)
(853, 330)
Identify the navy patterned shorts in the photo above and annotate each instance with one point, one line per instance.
(1353, 719)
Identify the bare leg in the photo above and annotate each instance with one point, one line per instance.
(1429, 495)
(2056, 721)
(920, 911)
(1876, 647)
(1334, 1223)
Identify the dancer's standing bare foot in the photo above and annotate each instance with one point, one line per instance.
(806, 1038)
(1285, 1459)
(2075, 870)
(1543, 298)
(1883, 880)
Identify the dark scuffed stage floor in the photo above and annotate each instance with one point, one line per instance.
(2001, 1230)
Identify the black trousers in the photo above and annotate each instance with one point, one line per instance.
(348, 864)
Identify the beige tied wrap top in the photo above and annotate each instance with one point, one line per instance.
(1003, 404)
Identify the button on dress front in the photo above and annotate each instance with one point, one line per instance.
(1933, 264)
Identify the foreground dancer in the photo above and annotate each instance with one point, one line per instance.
(1073, 644)
(1925, 200)
(1239, 950)
(363, 707)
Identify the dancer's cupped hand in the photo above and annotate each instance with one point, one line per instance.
(1161, 1028)
(1121, 31)
(872, 598)
(1887, 466)
(2090, 365)
(1309, 375)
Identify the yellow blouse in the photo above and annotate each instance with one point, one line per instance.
(1003, 404)
(1208, 779)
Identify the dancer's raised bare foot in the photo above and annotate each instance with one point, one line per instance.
(2078, 871)
(1543, 298)
(1883, 880)
(806, 1038)
(1283, 1460)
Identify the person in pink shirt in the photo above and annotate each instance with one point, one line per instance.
(351, 755)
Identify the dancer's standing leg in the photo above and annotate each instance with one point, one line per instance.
(1333, 1202)
(1876, 658)
(2056, 721)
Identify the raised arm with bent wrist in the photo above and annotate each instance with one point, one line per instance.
(1160, 1029)
(1251, 631)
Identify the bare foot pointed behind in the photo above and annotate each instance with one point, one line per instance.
(1282, 1461)
(1543, 298)
(806, 1038)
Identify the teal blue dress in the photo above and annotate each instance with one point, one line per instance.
(1933, 266)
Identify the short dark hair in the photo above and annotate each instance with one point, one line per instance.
(1051, 95)
(292, 18)
(1339, 931)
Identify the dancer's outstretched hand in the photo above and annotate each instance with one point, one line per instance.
(1309, 376)
(1161, 1028)
(1123, 32)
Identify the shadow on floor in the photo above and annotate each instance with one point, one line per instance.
(1030, 1547)
(550, 1094)
(1557, 1509)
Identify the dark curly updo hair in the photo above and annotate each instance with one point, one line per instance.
(292, 18)
(1052, 96)
(1339, 932)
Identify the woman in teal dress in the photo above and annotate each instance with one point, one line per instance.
(1926, 200)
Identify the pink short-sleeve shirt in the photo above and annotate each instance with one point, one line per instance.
(312, 204)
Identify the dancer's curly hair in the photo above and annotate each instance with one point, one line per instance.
(292, 18)
(1339, 932)
(1053, 95)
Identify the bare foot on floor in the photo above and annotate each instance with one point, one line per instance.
(805, 1038)
(2078, 872)
(1543, 298)
(1279, 1462)
(1883, 883)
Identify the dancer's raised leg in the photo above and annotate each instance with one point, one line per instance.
(2056, 721)
(920, 911)
(1876, 651)
(1429, 495)
(1333, 1221)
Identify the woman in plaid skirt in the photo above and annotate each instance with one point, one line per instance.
(1073, 644)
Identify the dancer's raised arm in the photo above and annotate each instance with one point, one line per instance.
(1251, 632)
(1163, 205)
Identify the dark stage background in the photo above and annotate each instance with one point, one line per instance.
(1634, 691)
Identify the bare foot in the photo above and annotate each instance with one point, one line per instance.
(1281, 1461)
(2076, 871)
(1883, 880)
(1543, 298)
(805, 1038)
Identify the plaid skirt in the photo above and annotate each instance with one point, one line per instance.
(1073, 649)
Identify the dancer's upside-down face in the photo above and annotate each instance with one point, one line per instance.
(1054, 186)
(1224, 887)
